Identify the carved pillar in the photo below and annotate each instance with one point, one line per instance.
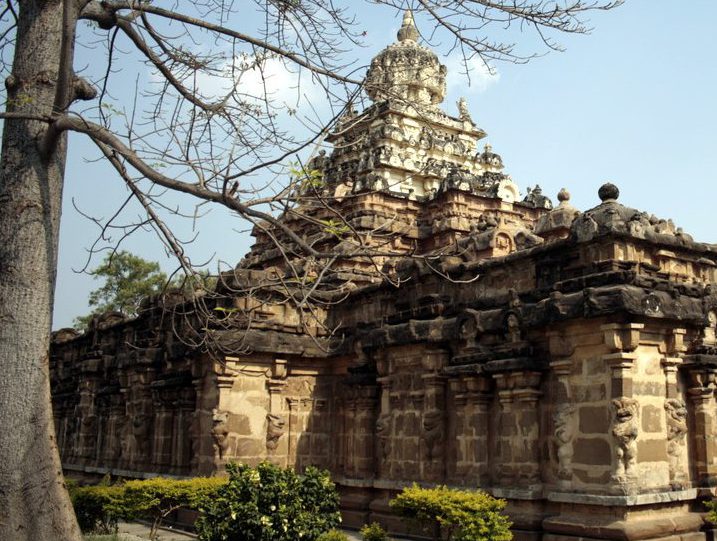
(220, 418)
(433, 422)
(480, 396)
(109, 450)
(162, 440)
(701, 393)
(526, 394)
(384, 427)
(141, 413)
(459, 459)
(364, 425)
(182, 441)
(294, 430)
(622, 340)
(384, 418)
(676, 412)
(86, 409)
(504, 432)
(277, 446)
(469, 425)
(517, 445)
(195, 429)
(565, 410)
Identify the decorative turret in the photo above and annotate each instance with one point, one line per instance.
(489, 159)
(406, 70)
(556, 223)
(611, 216)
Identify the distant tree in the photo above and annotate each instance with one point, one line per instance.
(128, 279)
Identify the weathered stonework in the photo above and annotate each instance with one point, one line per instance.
(568, 364)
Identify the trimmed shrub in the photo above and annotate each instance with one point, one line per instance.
(269, 503)
(158, 497)
(99, 507)
(373, 532)
(460, 515)
(95, 507)
(333, 535)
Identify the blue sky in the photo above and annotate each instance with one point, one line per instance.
(633, 103)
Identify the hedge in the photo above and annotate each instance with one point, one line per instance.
(459, 515)
(99, 507)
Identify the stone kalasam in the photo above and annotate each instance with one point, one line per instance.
(565, 361)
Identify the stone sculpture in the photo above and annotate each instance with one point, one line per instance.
(432, 434)
(676, 431)
(625, 429)
(274, 430)
(564, 419)
(220, 433)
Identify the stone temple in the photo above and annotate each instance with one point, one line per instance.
(563, 360)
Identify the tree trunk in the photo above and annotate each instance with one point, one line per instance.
(34, 504)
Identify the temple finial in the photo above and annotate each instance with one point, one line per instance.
(408, 30)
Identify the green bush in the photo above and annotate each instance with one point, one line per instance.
(95, 507)
(712, 511)
(373, 532)
(99, 507)
(269, 503)
(158, 497)
(460, 515)
(333, 535)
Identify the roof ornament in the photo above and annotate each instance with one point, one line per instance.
(608, 192)
(463, 112)
(408, 30)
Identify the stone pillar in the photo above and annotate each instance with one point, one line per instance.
(504, 433)
(433, 421)
(565, 409)
(163, 428)
(182, 440)
(469, 425)
(701, 392)
(360, 407)
(675, 412)
(364, 425)
(140, 413)
(527, 458)
(518, 456)
(384, 424)
(625, 422)
(294, 428)
(86, 410)
(459, 459)
(277, 446)
(480, 396)
(621, 341)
